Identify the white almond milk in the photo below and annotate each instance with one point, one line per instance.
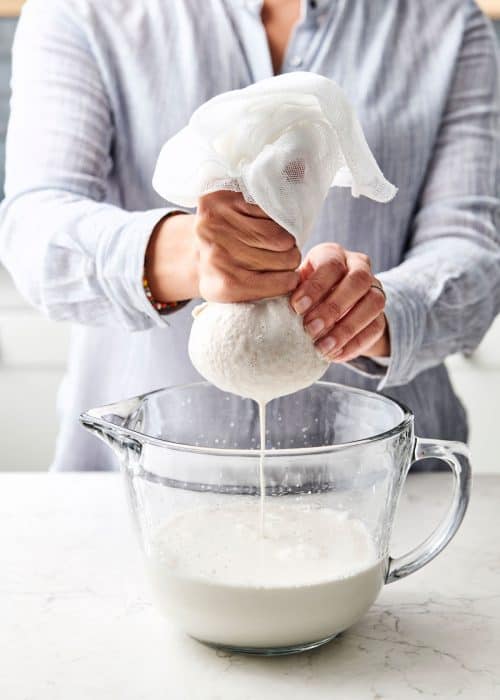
(313, 575)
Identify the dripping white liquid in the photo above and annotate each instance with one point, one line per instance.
(262, 479)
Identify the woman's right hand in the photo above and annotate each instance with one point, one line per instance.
(228, 251)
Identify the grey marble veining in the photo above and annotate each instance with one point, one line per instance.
(76, 619)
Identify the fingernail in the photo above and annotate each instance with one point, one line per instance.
(315, 327)
(327, 345)
(302, 305)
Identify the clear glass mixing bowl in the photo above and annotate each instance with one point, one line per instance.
(328, 447)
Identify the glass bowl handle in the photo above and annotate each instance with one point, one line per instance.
(447, 452)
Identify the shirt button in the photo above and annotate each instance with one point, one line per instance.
(295, 61)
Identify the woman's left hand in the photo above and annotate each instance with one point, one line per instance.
(342, 304)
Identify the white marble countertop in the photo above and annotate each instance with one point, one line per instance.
(76, 620)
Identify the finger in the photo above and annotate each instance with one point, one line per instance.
(324, 268)
(353, 287)
(225, 215)
(359, 317)
(260, 260)
(362, 342)
(227, 287)
(261, 233)
(271, 284)
(265, 285)
(234, 255)
(249, 209)
(221, 200)
(270, 261)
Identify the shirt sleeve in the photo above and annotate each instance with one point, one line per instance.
(73, 255)
(446, 293)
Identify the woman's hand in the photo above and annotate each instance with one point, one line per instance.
(229, 251)
(342, 304)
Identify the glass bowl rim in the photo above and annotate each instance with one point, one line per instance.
(90, 420)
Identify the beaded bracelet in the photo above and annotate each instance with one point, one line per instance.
(163, 307)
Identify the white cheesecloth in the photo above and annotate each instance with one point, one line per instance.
(282, 142)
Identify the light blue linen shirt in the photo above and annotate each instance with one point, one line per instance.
(99, 86)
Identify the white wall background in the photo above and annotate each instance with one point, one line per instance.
(32, 359)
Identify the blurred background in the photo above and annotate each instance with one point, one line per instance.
(33, 350)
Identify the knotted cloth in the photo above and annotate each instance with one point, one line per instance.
(282, 142)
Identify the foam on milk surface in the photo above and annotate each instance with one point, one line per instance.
(314, 574)
(303, 545)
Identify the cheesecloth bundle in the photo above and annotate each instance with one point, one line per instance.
(282, 142)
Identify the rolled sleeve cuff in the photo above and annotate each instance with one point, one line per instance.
(121, 268)
(405, 313)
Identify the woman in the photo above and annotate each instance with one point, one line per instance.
(97, 89)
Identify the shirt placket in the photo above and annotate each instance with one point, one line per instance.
(297, 54)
